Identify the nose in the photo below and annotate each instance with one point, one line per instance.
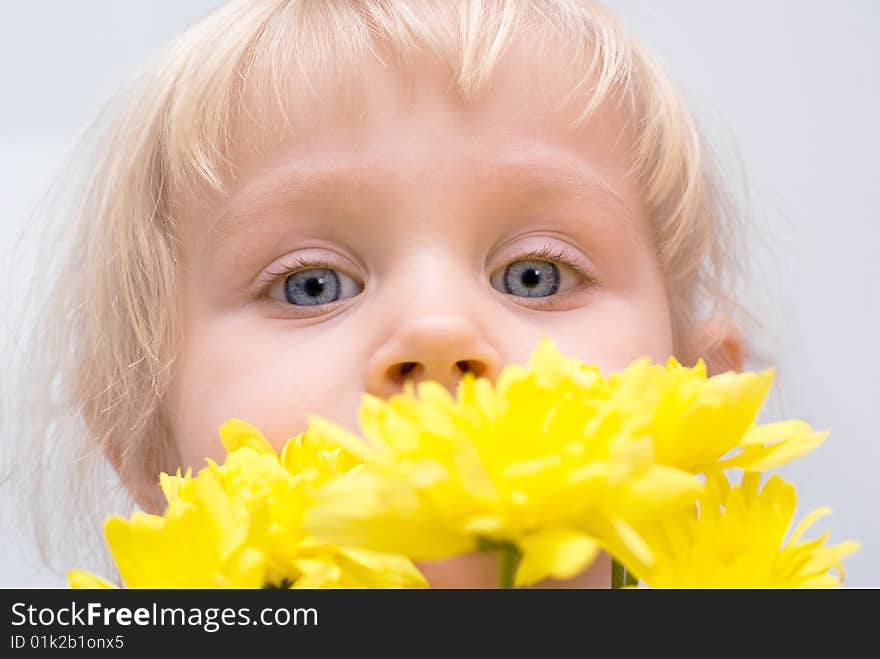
(432, 348)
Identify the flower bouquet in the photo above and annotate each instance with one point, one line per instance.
(659, 466)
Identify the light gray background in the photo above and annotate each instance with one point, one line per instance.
(790, 88)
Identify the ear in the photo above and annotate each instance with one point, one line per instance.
(719, 342)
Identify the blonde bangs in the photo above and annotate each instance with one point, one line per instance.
(241, 63)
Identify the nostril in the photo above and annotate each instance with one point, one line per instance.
(471, 366)
(406, 368)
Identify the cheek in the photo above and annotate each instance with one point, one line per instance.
(615, 330)
(259, 372)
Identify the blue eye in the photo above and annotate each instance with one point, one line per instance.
(531, 278)
(311, 287)
(314, 286)
(544, 273)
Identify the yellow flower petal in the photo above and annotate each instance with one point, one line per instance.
(773, 433)
(764, 458)
(331, 434)
(628, 537)
(558, 553)
(368, 511)
(236, 433)
(378, 570)
(808, 521)
(81, 579)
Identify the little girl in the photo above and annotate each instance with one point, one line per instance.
(304, 201)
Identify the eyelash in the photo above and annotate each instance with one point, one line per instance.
(546, 253)
(557, 255)
(299, 264)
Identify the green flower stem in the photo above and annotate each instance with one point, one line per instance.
(510, 558)
(621, 577)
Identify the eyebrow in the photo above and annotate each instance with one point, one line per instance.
(297, 183)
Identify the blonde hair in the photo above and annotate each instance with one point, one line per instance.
(99, 355)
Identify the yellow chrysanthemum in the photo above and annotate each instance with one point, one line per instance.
(543, 461)
(549, 464)
(239, 524)
(735, 538)
(701, 424)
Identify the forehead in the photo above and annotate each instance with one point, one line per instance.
(536, 90)
(389, 125)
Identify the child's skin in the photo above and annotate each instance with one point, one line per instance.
(420, 203)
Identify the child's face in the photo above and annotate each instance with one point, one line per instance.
(414, 229)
